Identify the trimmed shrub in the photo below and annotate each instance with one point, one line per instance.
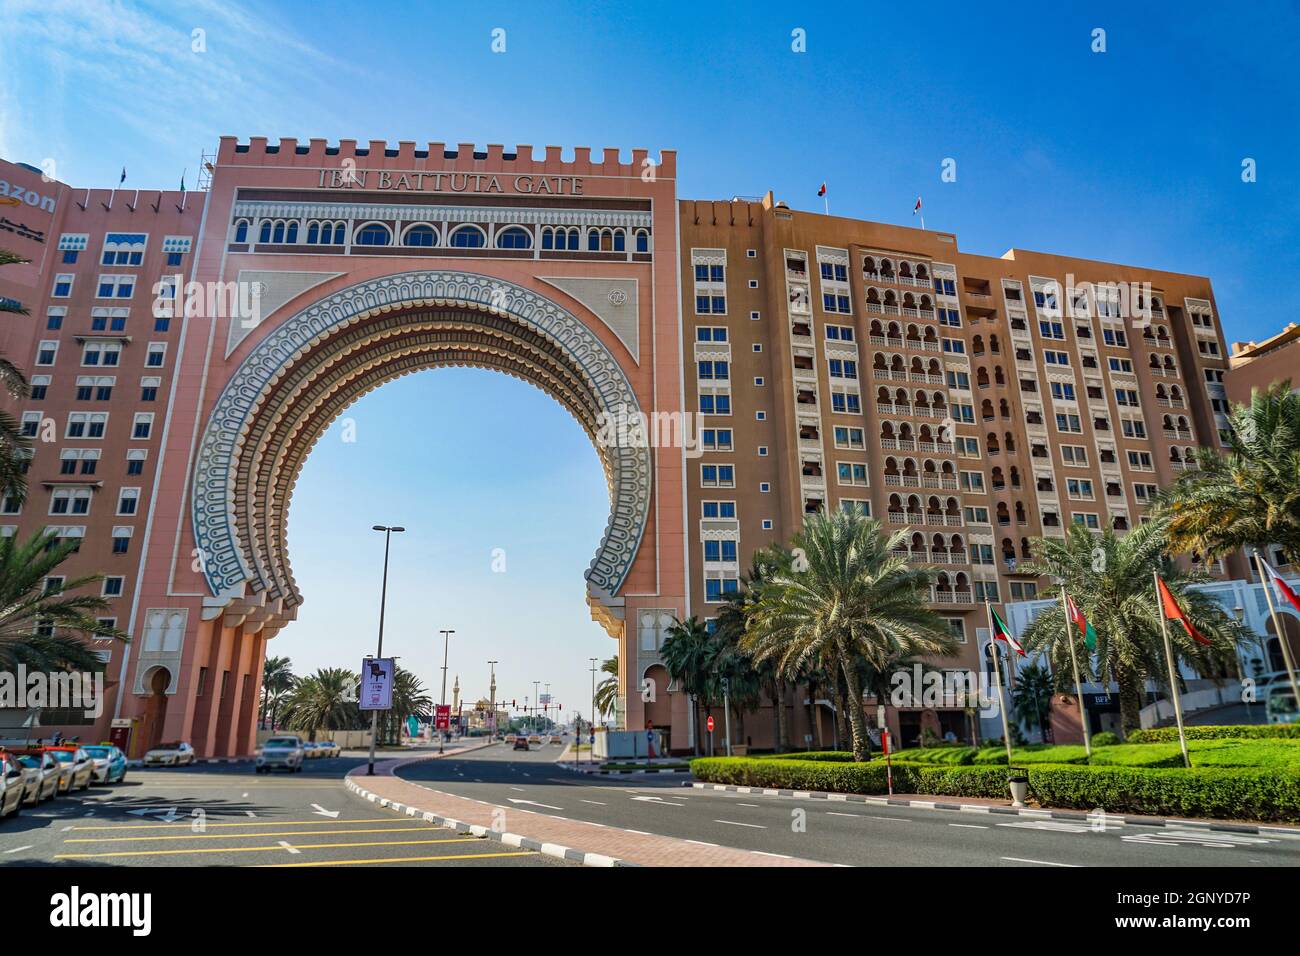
(832, 756)
(1105, 738)
(1160, 735)
(1265, 795)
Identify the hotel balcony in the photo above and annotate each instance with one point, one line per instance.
(951, 597)
(1182, 433)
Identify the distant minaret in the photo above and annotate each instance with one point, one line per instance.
(455, 696)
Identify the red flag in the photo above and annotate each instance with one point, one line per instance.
(1281, 585)
(917, 207)
(1174, 613)
(822, 191)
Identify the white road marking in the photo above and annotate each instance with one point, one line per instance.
(752, 826)
(321, 811)
(250, 813)
(288, 846)
(779, 856)
(969, 826)
(701, 843)
(18, 849)
(534, 803)
(596, 802)
(1018, 859)
(520, 789)
(639, 832)
(659, 800)
(1214, 839)
(1056, 826)
(754, 805)
(890, 819)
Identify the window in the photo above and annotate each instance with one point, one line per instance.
(127, 501)
(719, 509)
(175, 247)
(46, 352)
(1068, 423)
(1079, 489)
(1051, 330)
(718, 476)
(38, 387)
(767, 524)
(968, 447)
(514, 237)
(954, 346)
(716, 439)
(1120, 365)
(123, 249)
(1076, 455)
(1145, 492)
(374, 234)
(1024, 591)
(149, 389)
(714, 370)
(851, 473)
(846, 402)
(711, 305)
(417, 236)
(1133, 428)
(977, 515)
(1087, 519)
(62, 286)
(74, 501)
(715, 403)
(1127, 397)
(1056, 358)
(135, 459)
(115, 287)
(1207, 347)
(846, 437)
(710, 333)
(101, 354)
(958, 380)
(972, 481)
(949, 317)
(86, 425)
(155, 355)
(719, 590)
(836, 303)
(987, 591)
(839, 333)
(762, 451)
(108, 320)
(142, 426)
(122, 539)
(1140, 461)
(1063, 391)
(54, 318)
(842, 368)
(1116, 337)
(981, 554)
(758, 381)
(113, 586)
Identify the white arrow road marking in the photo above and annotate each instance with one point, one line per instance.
(666, 803)
(18, 849)
(534, 803)
(165, 813)
(321, 811)
(250, 813)
(1215, 838)
(289, 847)
(1056, 826)
(1018, 859)
(733, 823)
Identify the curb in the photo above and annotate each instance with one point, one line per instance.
(1079, 816)
(509, 839)
(604, 773)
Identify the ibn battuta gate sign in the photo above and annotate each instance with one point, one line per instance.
(368, 264)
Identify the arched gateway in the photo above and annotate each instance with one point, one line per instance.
(368, 264)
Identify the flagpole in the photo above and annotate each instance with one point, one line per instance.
(1173, 674)
(997, 676)
(1277, 624)
(1074, 665)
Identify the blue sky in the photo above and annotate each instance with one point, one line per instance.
(1131, 155)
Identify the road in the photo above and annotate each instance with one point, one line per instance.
(228, 815)
(849, 834)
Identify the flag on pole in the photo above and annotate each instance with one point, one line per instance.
(122, 179)
(1173, 612)
(822, 191)
(1003, 633)
(917, 207)
(182, 183)
(1279, 585)
(1082, 623)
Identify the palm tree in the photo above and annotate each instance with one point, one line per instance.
(277, 681)
(607, 690)
(1109, 577)
(688, 653)
(1251, 495)
(853, 598)
(13, 446)
(1031, 701)
(42, 626)
(409, 699)
(325, 700)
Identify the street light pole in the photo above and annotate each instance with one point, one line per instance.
(442, 698)
(492, 694)
(591, 755)
(537, 703)
(379, 651)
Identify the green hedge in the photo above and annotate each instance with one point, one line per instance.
(1263, 795)
(1160, 735)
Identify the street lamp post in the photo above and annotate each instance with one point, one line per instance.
(591, 756)
(537, 703)
(442, 698)
(492, 694)
(379, 651)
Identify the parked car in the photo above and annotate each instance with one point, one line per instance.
(521, 742)
(328, 748)
(511, 738)
(309, 750)
(535, 739)
(80, 769)
(179, 754)
(110, 763)
(13, 785)
(283, 751)
(45, 773)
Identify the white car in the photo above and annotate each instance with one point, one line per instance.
(328, 748)
(284, 751)
(170, 755)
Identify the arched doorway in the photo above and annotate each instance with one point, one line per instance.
(154, 718)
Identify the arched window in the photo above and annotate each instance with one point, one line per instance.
(593, 241)
(575, 239)
(515, 237)
(241, 231)
(291, 234)
(468, 237)
(339, 233)
(548, 238)
(277, 235)
(264, 235)
(642, 241)
(373, 234)
(424, 236)
(313, 233)
(619, 241)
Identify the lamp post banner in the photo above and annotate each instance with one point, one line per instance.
(376, 684)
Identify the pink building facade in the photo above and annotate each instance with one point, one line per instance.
(186, 352)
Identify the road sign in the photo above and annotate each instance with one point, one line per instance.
(376, 684)
(442, 717)
(709, 724)
(591, 739)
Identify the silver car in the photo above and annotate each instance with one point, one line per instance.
(44, 773)
(13, 785)
(284, 752)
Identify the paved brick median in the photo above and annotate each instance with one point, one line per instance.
(591, 838)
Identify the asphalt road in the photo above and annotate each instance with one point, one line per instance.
(228, 815)
(849, 834)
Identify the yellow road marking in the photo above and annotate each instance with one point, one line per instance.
(240, 836)
(397, 859)
(244, 823)
(254, 849)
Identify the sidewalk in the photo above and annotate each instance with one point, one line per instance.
(565, 762)
(579, 841)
